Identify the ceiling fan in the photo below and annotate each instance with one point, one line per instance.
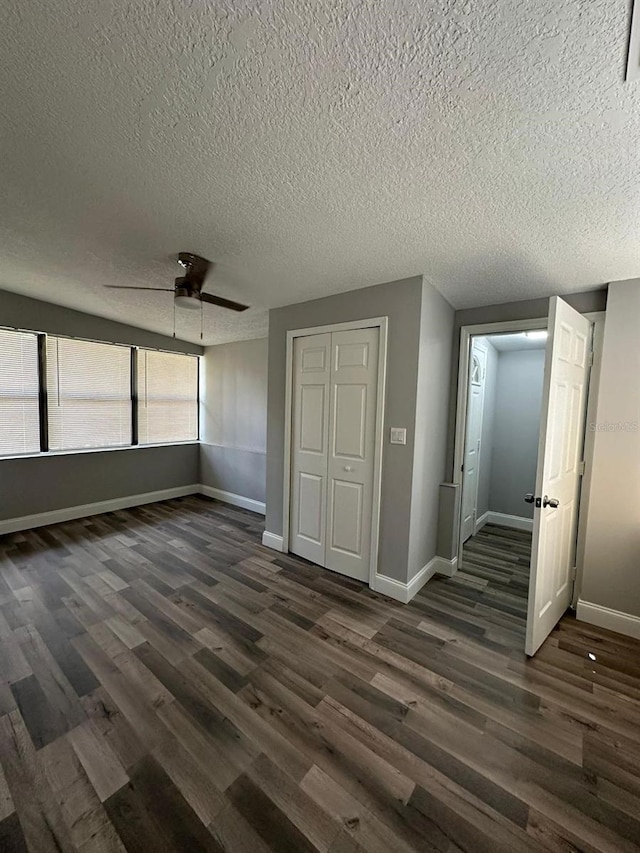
(187, 291)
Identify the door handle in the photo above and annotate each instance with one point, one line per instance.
(554, 503)
(348, 468)
(529, 498)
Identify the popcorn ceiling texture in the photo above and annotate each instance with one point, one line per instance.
(311, 148)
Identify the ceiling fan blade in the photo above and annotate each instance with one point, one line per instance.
(127, 287)
(222, 303)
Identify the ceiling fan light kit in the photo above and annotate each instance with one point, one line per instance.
(191, 303)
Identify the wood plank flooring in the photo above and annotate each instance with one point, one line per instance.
(495, 564)
(168, 684)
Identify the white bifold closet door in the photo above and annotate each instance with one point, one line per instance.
(335, 379)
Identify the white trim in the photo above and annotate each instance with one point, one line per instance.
(480, 522)
(273, 541)
(404, 592)
(237, 449)
(517, 522)
(445, 567)
(27, 522)
(382, 323)
(231, 498)
(604, 617)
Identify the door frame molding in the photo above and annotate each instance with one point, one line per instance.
(466, 333)
(382, 323)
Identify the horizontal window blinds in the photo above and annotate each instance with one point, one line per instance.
(167, 397)
(89, 394)
(19, 405)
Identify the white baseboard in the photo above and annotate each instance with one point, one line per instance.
(273, 541)
(231, 498)
(404, 592)
(27, 522)
(480, 522)
(517, 522)
(604, 617)
(446, 567)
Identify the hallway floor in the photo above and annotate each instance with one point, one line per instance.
(495, 569)
(169, 684)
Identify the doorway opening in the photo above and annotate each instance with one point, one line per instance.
(504, 406)
(558, 528)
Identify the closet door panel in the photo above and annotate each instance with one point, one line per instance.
(309, 447)
(352, 424)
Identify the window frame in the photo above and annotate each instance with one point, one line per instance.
(43, 398)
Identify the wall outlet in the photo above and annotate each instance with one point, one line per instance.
(398, 435)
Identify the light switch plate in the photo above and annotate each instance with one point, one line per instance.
(398, 435)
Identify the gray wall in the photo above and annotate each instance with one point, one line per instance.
(530, 309)
(432, 398)
(487, 436)
(21, 312)
(31, 485)
(516, 430)
(45, 483)
(233, 419)
(401, 302)
(611, 567)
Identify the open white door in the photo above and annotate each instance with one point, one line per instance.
(473, 434)
(564, 398)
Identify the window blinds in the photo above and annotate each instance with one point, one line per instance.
(89, 394)
(167, 397)
(19, 406)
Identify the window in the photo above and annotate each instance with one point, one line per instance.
(476, 370)
(167, 397)
(89, 394)
(66, 394)
(19, 393)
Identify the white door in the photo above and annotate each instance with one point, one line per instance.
(333, 448)
(309, 446)
(564, 398)
(354, 375)
(471, 470)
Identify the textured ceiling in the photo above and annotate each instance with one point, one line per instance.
(515, 342)
(310, 148)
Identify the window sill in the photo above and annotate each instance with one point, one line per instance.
(95, 450)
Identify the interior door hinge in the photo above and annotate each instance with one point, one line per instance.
(574, 573)
(590, 359)
(581, 468)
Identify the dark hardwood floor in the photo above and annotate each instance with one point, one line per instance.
(168, 684)
(495, 566)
